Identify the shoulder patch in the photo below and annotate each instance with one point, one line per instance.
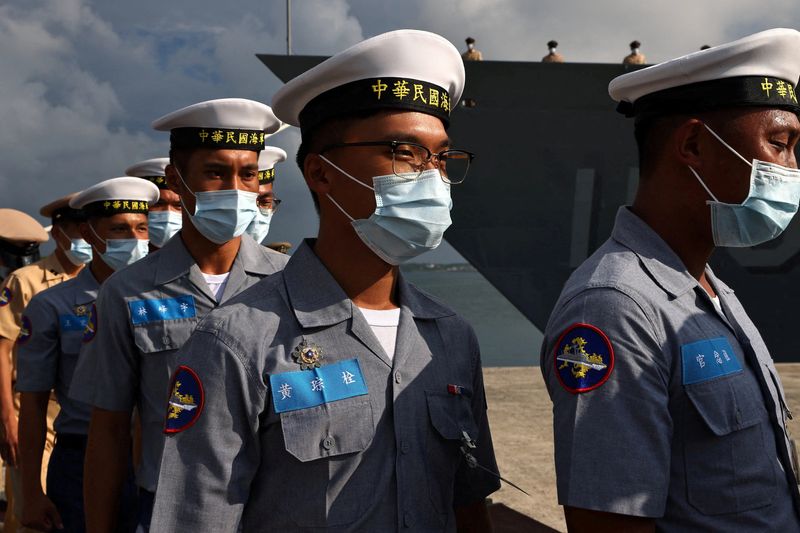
(25, 330)
(6, 296)
(584, 358)
(186, 400)
(91, 325)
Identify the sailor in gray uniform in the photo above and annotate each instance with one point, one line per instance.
(336, 396)
(669, 414)
(47, 352)
(147, 312)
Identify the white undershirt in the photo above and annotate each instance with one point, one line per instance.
(384, 324)
(717, 305)
(216, 282)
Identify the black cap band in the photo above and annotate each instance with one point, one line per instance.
(67, 213)
(266, 177)
(158, 181)
(107, 208)
(375, 94)
(233, 139)
(742, 91)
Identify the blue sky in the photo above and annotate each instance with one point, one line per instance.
(81, 80)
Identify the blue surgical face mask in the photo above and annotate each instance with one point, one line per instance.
(80, 251)
(162, 225)
(221, 215)
(122, 252)
(259, 227)
(766, 212)
(410, 218)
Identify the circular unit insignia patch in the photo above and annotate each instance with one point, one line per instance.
(91, 325)
(25, 330)
(5, 296)
(185, 401)
(584, 358)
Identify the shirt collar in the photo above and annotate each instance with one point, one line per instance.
(317, 299)
(87, 285)
(660, 261)
(52, 268)
(174, 260)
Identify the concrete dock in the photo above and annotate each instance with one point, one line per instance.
(521, 418)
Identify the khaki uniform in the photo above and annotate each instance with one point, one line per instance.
(553, 58)
(18, 289)
(634, 59)
(472, 55)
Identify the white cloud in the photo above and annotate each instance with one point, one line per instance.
(83, 79)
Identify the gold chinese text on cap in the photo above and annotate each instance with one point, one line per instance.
(265, 177)
(374, 94)
(234, 139)
(107, 208)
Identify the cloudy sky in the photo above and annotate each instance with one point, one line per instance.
(81, 80)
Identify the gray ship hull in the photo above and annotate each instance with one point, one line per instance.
(555, 162)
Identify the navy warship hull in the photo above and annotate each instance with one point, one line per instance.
(555, 162)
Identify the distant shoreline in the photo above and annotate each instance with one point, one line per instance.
(438, 267)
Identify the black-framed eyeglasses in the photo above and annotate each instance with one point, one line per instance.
(268, 203)
(410, 159)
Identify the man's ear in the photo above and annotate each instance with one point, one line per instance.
(688, 144)
(173, 182)
(86, 233)
(315, 172)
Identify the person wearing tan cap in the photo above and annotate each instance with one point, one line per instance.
(636, 57)
(552, 55)
(20, 236)
(472, 53)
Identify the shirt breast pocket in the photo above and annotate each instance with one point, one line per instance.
(71, 342)
(161, 336)
(324, 440)
(729, 467)
(450, 416)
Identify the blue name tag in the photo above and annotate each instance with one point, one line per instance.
(309, 388)
(144, 311)
(708, 359)
(72, 322)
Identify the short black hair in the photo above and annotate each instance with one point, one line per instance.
(327, 132)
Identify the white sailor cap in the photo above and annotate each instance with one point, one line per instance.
(269, 157)
(759, 70)
(151, 170)
(403, 69)
(60, 210)
(231, 123)
(116, 195)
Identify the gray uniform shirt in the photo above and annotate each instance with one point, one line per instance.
(686, 422)
(144, 314)
(47, 352)
(384, 460)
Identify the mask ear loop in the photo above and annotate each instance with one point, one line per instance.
(183, 205)
(340, 207)
(696, 175)
(345, 173)
(94, 248)
(726, 145)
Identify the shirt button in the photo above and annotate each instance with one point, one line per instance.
(397, 377)
(327, 443)
(165, 339)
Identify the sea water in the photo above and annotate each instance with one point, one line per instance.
(506, 337)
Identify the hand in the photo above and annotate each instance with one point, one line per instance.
(39, 513)
(9, 440)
